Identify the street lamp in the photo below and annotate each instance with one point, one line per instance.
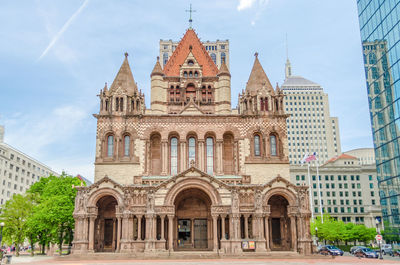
(316, 235)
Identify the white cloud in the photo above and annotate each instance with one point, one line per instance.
(245, 4)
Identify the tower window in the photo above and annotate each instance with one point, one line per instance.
(257, 151)
(210, 155)
(110, 145)
(192, 149)
(272, 139)
(174, 156)
(126, 145)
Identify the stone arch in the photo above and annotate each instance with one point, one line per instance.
(192, 183)
(284, 192)
(102, 192)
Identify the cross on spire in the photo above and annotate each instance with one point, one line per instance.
(190, 16)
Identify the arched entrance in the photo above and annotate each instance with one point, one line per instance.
(106, 225)
(193, 220)
(279, 224)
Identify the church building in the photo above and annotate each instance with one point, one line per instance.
(190, 172)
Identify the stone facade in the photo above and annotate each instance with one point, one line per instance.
(190, 173)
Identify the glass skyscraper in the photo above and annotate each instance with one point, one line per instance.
(380, 34)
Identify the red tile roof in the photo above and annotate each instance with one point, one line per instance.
(190, 40)
(342, 156)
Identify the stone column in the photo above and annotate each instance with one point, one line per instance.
(114, 233)
(119, 233)
(219, 161)
(215, 232)
(170, 232)
(267, 237)
(162, 227)
(223, 227)
(235, 231)
(85, 229)
(293, 232)
(246, 226)
(91, 233)
(182, 156)
(130, 226)
(139, 217)
(200, 155)
(164, 157)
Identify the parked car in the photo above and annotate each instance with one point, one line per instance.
(366, 253)
(331, 250)
(353, 249)
(387, 249)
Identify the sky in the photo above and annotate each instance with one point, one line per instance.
(56, 55)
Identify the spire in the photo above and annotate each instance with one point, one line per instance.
(124, 78)
(258, 78)
(223, 70)
(105, 87)
(288, 69)
(157, 70)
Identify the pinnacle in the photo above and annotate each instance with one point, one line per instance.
(258, 78)
(124, 78)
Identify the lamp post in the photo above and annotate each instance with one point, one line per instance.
(316, 235)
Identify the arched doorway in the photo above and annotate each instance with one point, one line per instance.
(279, 224)
(105, 238)
(193, 220)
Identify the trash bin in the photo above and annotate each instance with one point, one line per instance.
(8, 259)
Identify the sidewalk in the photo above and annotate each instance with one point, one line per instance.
(28, 259)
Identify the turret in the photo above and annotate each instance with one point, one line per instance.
(158, 93)
(223, 93)
(123, 97)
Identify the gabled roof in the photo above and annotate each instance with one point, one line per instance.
(190, 42)
(124, 78)
(191, 109)
(258, 78)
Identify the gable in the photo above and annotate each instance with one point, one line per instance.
(190, 43)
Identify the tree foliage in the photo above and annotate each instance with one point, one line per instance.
(44, 215)
(333, 230)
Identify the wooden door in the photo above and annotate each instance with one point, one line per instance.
(200, 234)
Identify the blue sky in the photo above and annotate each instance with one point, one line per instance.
(56, 55)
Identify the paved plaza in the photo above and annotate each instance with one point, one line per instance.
(338, 260)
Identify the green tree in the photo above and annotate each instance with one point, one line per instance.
(56, 203)
(15, 214)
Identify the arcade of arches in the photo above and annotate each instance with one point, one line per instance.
(192, 211)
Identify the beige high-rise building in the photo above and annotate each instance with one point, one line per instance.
(218, 51)
(18, 171)
(348, 188)
(310, 126)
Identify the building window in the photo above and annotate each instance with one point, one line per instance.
(174, 156)
(165, 58)
(192, 150)
(272, 139)
(214, 57)
(155, 147)
(223, 58)
(257, 151)
(228, 157)
(126, 145)
(210, 155)
(110, 145)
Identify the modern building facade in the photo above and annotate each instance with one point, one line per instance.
(218, 51)
(380, 26)
(18, 171)
(190, 172)
(310, 126)
(348, 189)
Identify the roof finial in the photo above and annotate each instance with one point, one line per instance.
(256, 54)
(190, 16)
(158, 58)
(126, 55)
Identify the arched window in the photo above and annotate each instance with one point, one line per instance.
(190, 74)
(165, 58)
(228, 155)
(192, 150)
(214, 57)
(185, 74)
(196, 74)
(272, 139)
(126, 145)
(257, 149)
(121, 104)
(223, 57)
(174, 156)
(155, 152)
(210, 155)
(110, 145)
(190, 62)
